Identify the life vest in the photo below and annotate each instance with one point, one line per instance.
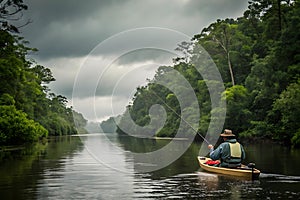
(235, 158)
(235, 150)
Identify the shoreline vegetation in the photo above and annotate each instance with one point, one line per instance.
(258, 56)
(29, 111)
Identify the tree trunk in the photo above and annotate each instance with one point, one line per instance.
(230, 68)
(279, 15)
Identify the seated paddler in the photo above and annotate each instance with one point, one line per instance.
(230, 152)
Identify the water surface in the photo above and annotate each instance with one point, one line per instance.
(101, 166)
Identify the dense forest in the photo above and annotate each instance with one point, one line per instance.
(258, 56)
(28, 109)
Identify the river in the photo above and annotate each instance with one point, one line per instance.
(101, 166)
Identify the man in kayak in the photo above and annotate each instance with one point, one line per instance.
(230, 152)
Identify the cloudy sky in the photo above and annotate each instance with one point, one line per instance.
(100, 50)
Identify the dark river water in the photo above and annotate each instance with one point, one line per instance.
(101, 166)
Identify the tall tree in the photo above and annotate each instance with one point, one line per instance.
(220, 33)
(224, 41)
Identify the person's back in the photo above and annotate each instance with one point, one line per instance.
(230, 152)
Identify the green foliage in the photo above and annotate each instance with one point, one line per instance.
(287, 107)
(229, 47)
(238, 115)
(24, 91)
(6, 99)
(258, 129)
(296, 139)
(258, 56)
(16, 128)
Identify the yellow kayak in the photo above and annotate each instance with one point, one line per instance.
(242, 171)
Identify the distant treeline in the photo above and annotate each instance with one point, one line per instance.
(258, 56)
(28, 109)
(110, 125)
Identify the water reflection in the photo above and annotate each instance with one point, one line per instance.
(176, 180)
(65, 168)
(274, 159)
(23, 168)
(143, 162)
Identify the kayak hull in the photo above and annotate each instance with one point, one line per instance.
(243, 171)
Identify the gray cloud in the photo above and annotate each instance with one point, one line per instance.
(100, 49)
(73, 28)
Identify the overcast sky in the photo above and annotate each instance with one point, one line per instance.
(100, 50)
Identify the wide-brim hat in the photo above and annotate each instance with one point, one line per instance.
(227, 133)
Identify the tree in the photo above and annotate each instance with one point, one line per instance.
(24, 91)
(220, 34)
(224, 41)
(258, 57)
(16, 128)
(238, 116)
(287, 107)
(11, 10)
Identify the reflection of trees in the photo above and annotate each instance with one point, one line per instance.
(268, 162)
(141, 145)
(59, 147)
(15, 166)
(22, 169)
(185, 164)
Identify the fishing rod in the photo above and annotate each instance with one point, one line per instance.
(181, 117)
